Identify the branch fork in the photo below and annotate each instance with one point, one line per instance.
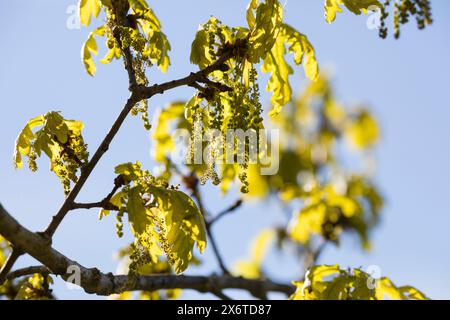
(39, 244)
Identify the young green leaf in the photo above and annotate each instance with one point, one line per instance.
(90, 48)
(303, 51)
(278, 84)
(161, 218)
(88, 9)
(183, 225)
(325, 282)
(265, 27)
(59, 139)
(332, 7)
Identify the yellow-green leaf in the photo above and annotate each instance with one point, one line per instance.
(278, 84)
(200, 50)
(129, 171)
(113, 53)
(23, 141)
(88, 9)
(252, 5)
(265, 27)
(137, 213)
(183, 224)
(60, 139)
(303, 51)
(332, 7)
(161, 218)
(386, 289)
(332, 283)
(90, 48)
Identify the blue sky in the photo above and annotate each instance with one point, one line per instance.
(405, 82)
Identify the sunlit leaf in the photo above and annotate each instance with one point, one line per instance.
(88, 9)
(266, 27)
(160, 217)
(332, 7)
(59, 139)
(332, 283)
(303, 51)
(90, 48)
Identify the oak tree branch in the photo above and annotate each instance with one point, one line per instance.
(93, 280)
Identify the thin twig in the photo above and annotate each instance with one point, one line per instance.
(230, 209)
(196, 194)
(28, 271)
(92, 205)
(13, 256)
(216, 250)
(105, 203)
(104, 146)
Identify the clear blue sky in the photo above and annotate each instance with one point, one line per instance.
(405, 82)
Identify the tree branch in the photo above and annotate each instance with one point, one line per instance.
(228, 210)
(138, 93)
(94, 281)
(105, 203)
(196, 194)
(92, 205)
(104, 146)
(215, 248)
(190, 80)
(27, 272)
(12, 258)
(219, 294)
